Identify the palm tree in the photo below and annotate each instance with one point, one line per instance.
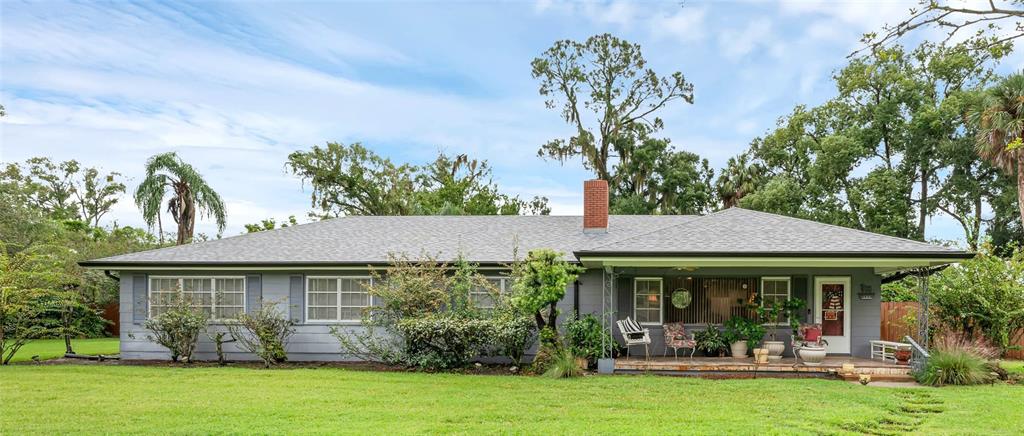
(999, 117)
(739, 178)
(166, 174)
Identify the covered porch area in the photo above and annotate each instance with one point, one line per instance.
(842, 297)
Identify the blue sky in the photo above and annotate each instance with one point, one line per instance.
(235, 87)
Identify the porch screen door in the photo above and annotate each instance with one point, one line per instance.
(832, 311)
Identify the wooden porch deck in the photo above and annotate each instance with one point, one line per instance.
(727, 367)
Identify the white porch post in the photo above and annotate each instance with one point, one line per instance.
(606, 365)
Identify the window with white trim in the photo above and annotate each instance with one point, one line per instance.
(219, 297)
(482, 298)
(774, 291)
(336, 299)
(647, 298)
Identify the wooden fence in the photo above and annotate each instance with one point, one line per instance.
(899, 319)
(112, 313)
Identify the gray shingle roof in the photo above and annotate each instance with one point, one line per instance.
(369, 239)
(490, 239)
(739, 231)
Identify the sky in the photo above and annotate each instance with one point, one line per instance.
(235, 87)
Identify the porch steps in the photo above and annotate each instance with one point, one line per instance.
(845, 368)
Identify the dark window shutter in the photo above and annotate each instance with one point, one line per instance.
(253, 292)
(802, 291)
(140, 298)
(296, 298)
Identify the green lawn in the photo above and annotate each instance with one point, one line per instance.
(138, 399)
(54, 348)
(1013, 366)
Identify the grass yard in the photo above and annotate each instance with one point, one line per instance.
(54, 348)
(146, 399)
(1013, 366)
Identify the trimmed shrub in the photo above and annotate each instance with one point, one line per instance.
(178, 328)
(440, 342)
(587, 338)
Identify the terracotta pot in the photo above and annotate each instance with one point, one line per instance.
(903, 357)
(581, 362)
(812, 356)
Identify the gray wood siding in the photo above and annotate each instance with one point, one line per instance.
(865, 322)
(313, 342)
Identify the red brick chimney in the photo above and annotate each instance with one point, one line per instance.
(595, 206)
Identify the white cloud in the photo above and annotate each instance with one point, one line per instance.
(738, 43)
(685, 25)
(863, 15)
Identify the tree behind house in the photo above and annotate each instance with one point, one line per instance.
(189, 196)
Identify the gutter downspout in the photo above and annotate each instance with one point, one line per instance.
(111, 275)
(576, 300)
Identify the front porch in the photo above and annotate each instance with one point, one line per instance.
(726, 367)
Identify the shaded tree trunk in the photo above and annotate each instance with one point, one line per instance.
(1020, 186)
(922, 220)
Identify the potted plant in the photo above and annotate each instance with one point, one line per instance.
(710, 341)
(770, 316)
(742, 334)
(902, 355)
(813, 353)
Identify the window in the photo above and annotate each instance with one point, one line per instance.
(481, 297)
(774, 291)
(220, 297)
(336, 299)
(647, 300)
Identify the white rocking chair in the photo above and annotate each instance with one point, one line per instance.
(634, 334)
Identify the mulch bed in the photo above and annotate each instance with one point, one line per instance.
(476, 369)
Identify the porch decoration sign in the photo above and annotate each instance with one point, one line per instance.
(832, 309)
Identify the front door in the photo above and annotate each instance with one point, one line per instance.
(832, 311)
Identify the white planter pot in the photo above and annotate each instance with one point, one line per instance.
(775, 349)
(812, 356)
(739, 349)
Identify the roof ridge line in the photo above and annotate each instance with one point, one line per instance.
(698, 218)
(850, 229)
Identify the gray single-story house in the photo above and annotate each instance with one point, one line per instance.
(633, 265)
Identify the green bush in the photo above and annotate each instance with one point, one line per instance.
(511, 335)
(955, 367)
(587, 338)
(178, 328)
(439, 342)
(563, 365)
(264, 332)
(982, 297)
